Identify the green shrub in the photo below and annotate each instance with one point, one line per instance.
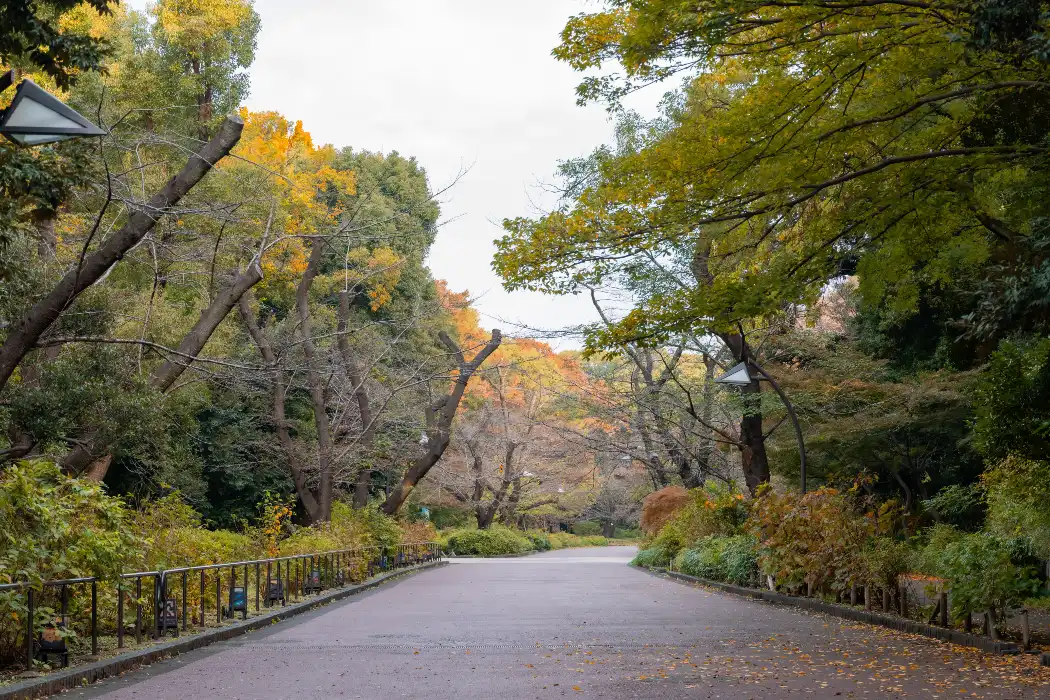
(883, 561)
(58, 527)
(740, 560)
(652, 557)
(586, 527)
(982, 574)
(491, 542)
(703, 560)
(540, 541)
(627, 533)
(729, 559)
(712, 510)
(1017, 492)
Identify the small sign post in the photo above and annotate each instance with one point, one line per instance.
(52, 640)
(169, 616)
(238, 600)
(313, 581)
(275, 591)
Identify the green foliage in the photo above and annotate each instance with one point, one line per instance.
(32, 34)
(540, 540)
(715, 509)
(1012, 402)
(55, 526)
(982, 574)
(652, 557)
(493, 541)
(957, 505)
(729, 559)
(882, 562)
(586, 527)
(815, 539)
(1017, 492)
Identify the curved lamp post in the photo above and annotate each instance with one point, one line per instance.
(36, 117)
(739, 376)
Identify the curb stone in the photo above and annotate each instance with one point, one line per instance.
(85, 674)
(492, 556)
(871, 618)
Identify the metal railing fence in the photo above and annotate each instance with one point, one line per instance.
(176, 598)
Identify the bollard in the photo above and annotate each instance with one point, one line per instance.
(867, 597)
(1026, 631)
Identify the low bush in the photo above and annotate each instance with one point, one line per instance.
(660, 506)
(540, 541)
(740, 560)
(728, 559)
(493, 541)
(586, 527)
(565, 540)
(714, 510)
(652, 557)
(817, 538)
(982, 574)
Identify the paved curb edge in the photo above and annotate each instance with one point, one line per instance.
(80, 676)
(516, 555)
(871, 618)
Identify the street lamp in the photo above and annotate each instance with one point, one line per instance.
(36, 117)
(740, 376)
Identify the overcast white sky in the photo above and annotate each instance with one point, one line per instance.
(455, 83)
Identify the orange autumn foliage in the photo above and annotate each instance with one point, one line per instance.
(660, 506)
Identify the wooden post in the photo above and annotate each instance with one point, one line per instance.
(853, 594)
(867, 597)
(1026, 631)
(968, 621)
(885, 599)
(944, 607)
(989, 618)
(902, 592)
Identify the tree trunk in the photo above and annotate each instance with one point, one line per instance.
(47, 240)
(752, 439)
(26, 331)
(317, 385)
(753, 457)
(439, 421)
(608, 529)
(356, 376)
(280, 421)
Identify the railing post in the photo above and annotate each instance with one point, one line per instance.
(267, 597)
(185, 596)
(218, 597)
(200, 618)
(244, 612)
(94, 618)
(257, 586)
(138, 610)
(120, 613)
(160, 592)
(280, 582)
(31, 610)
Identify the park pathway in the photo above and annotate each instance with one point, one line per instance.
(576, 623)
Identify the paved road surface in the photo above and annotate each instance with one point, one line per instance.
(567, 624)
